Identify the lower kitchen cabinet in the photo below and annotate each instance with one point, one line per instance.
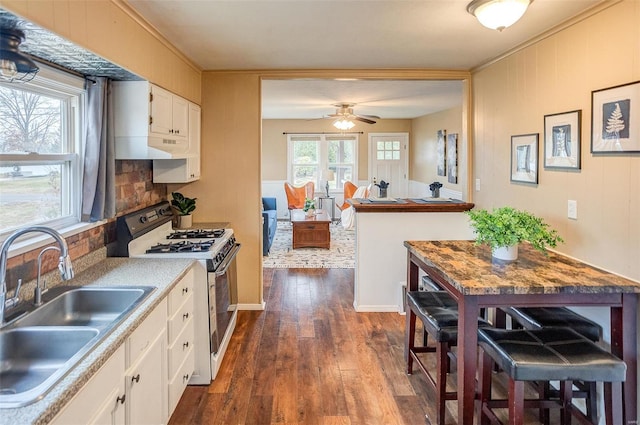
(101, 400)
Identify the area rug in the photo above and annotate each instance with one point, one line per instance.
(341, 255)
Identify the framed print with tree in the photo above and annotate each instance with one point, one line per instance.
(441, 152)
(452, 158)
(615, 122)
(562, 140)
(524, 158)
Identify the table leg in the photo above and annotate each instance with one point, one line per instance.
(629, 354)
(468, 312)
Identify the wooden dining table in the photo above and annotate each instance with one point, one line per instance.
(469, 274)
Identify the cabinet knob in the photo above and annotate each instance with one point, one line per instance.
(185, 316)
(185, 345)
(185, 290)
(121, 399)
(177, 131)
(135, 378)
(185, 377)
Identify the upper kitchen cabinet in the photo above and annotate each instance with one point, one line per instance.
(182, 170)
(150, 122)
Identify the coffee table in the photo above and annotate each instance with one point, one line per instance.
(311, 231)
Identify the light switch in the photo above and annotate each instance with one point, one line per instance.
(477, 185)
(572, 209)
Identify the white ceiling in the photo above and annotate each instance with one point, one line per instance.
(345, 34)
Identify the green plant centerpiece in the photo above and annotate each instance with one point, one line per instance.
(504, 228)
(309, 206)
(184, 206)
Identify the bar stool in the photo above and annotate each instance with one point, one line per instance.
(438, 312)
(558, 354)
(553, 317)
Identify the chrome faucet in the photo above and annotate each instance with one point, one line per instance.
(64, 264)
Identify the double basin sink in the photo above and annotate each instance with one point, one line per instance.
(41, 347)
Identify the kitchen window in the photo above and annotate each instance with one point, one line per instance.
(311, 154)
(40, 147)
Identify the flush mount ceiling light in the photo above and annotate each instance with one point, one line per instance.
(498, 14)
(343, 124)
(15, 66)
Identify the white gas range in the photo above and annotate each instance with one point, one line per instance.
(148, 233)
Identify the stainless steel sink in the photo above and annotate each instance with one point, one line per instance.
(44, 345)
(32, 358)
(87, 306)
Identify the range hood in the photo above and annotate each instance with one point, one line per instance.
(152, 147)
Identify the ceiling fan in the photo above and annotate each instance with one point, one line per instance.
(344, 111)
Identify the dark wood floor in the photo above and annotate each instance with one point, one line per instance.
(309, 358)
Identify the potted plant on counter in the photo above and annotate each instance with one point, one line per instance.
(184, 206)
(504, 228)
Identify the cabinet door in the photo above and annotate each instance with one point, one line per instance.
(193, 163)
(180, 115)
(100, 401)
(161, 111)
(146, 386)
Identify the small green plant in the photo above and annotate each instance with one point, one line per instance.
(507, 226)
(182, 204)
(309, 204)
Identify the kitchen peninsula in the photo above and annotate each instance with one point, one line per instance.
(382, 227)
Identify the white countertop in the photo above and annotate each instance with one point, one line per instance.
(161, 273)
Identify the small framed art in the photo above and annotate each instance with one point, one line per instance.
(615, 128)
(562, 140)
(524, 158)
(442, 171)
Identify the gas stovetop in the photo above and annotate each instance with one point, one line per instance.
(182, 246)
(196, 234)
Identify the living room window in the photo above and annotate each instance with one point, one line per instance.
(40, 139)
(311, 154)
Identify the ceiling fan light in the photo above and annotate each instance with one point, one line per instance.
(498, 14)
(343, 124)
(15, 66)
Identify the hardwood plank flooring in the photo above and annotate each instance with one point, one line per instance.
(309, 358)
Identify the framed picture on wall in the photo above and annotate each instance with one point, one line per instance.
(452, 158)
(440, 146)
(562, 140)
(615, 122)
(524, 158)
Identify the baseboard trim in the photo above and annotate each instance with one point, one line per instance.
(252, 306)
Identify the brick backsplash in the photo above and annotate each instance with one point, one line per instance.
(134, 190)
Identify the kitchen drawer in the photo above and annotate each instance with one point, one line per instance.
(179, 349)
(180, 292)
(180, 380)
(178, 321)
(141, 339)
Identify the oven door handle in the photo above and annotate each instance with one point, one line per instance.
(222, 269)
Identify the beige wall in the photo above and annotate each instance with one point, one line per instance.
(274, 142)
(109, 28)
(556, 75)
(423, 153)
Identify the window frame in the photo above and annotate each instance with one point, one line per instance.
(323, 140)
(70, 89)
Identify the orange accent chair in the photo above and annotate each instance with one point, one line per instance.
(297, 195)
(349, 190)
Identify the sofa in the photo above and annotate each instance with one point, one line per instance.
(269, 223)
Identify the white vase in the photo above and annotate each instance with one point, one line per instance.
(310, 212)
(505, 253)
(185, 221)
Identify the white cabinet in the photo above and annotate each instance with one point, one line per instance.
(101, 401)
(150, 122)
(182, 170)
(145, 379)
(180, 333)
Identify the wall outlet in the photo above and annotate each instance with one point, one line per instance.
(477, 185)
(572, 209)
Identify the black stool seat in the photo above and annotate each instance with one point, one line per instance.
(438, 312)
(550, 354)
(429, 285)
(539, 317)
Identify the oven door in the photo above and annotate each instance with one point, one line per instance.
(222, 291)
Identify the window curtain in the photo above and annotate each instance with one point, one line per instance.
(98, 183)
